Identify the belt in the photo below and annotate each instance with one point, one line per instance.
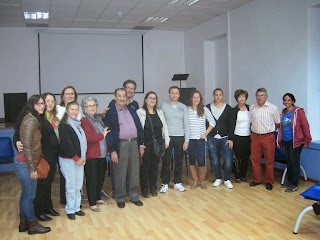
(261, 134)
(128, 140)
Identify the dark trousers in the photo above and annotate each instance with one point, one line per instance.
(176, 143)
(149, 168)
(62, 188)
(196, 150)
(43, 199)
(242, 149)
(94, 172)
(292, 156)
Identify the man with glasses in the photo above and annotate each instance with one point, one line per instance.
(265, 119)
(130, 86)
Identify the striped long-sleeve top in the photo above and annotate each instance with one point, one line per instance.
(198, 124)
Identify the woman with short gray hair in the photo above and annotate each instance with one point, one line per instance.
(96, 153)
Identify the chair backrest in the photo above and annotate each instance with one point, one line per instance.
(6, 149)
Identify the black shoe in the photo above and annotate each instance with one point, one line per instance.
(71, 216)
(145, 193)
(44, 218)
(243, 180)
(121, 204)
(269, 186)
(138, 203)
(238, 180)
(253, 184)
(154, 192)
(80, 213)
(52, 212)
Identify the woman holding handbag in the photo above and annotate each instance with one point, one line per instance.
(156, 135)
(28, 131)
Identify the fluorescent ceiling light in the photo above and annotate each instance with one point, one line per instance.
(183, 2)
(156, 19)
(36, 15)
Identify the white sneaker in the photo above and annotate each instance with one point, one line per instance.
(217, 182)
(164, 188)
(179, 187)
(228, 184)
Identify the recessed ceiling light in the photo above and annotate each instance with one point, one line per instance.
(156, 19)
(36, 15)
(183, 2)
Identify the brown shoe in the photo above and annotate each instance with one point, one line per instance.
(37, 228)
(194, 174)
(23, 226)
(202, 176)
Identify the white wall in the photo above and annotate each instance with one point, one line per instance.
(18, 62)
(314, 71)
(194, 50)
(163, 56)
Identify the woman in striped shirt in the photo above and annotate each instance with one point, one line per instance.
(198, 114)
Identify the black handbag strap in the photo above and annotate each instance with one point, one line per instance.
(151, 125)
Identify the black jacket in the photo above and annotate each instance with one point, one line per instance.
(112, 122)
(69, 142)
(226, 123)
(50, 144)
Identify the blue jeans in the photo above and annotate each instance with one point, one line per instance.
(217, 147)
(292, 156)
(196, 150)
(74, 181)
(28, 190)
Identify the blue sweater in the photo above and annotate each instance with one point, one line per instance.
(112, 122)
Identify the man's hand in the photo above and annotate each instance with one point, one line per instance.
(19, 146)
(185, 146)
(80, 163)
(141, 150)
(230, 142)
(114, 157)
(104, 112)
(166, 146)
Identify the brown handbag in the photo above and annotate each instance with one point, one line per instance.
(43, 168)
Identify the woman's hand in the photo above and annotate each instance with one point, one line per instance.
(142, 150)
(34, 175)
(105, 132)
(203, 136)
(230, 142)
(19, 146)
(166, 146)
(80, 163)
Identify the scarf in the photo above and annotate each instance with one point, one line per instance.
(76, 125)
(54, 121)
(99, 127)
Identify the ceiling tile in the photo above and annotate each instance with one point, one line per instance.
(127, 24)
(92, 12)
(10, 8)
(206, 10)
(62, 3)
(10, 2)
(83, 23)
(106, 24)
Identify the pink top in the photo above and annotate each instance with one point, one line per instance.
(126, 124)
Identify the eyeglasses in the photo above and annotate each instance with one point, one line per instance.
(39, 104)
(152, 98)
(91, 106)
(50, 101)
(130, 88)
(69, 94)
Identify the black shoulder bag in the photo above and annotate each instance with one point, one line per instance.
(159, 148)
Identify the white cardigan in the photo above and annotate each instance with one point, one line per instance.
(142, 116)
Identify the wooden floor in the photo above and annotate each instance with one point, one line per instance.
(215, 213)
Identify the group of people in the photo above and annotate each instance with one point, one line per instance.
(75, 138)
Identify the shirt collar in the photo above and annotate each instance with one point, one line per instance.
(267, 104)
(119, 108)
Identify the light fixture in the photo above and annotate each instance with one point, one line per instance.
(183, 2)
(36, 15)
(156, 19)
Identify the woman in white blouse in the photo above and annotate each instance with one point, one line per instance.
(198, 115)
(242, 142)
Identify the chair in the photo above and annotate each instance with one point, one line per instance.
(6, 150)
(312, 193)
(279, 157)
